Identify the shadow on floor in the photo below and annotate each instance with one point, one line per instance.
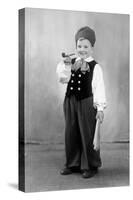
(13, 185)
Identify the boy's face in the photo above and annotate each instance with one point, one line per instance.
(84, 48)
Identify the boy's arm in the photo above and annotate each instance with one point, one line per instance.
(98, 88)
(99, 92)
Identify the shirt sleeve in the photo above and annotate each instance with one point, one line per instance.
(98, 88)
(63, 72)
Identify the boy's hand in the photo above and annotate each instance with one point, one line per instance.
(100, 116)
(67, 60)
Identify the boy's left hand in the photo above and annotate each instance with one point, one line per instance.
(100, 116)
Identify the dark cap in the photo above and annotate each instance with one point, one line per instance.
(86, 33)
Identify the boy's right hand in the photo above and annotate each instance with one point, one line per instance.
(67, 60)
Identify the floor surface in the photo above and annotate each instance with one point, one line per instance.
(43, 164)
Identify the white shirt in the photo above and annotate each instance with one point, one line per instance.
(98, 89)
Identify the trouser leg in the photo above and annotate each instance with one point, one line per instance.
(72, 134)
(87, 122)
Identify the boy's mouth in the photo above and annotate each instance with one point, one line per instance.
(82, 53)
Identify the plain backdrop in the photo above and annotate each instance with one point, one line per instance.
(48, 34)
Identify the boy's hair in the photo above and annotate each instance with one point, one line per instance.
(86, 33)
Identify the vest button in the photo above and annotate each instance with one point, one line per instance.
(72, 81)
(79, 88)
(79, 75)
(72, 74)
(71, 88)
(79, 81)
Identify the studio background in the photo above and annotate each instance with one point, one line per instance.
(48, 33)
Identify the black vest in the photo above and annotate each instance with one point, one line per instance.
(80, 83)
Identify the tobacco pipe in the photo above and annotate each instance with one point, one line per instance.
(67, 55)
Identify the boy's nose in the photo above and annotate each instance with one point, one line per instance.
(82, 48)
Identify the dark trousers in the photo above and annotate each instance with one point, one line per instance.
(80, 122)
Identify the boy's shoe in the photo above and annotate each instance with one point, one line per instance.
(66, 171)
(94, 169)
(88, 173)
(76, 169)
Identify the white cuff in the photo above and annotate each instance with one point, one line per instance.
(100, 108)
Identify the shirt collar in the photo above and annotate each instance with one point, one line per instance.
(89, 59)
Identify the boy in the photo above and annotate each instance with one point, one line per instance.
(83, 104)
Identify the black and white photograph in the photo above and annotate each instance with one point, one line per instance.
(73, 99)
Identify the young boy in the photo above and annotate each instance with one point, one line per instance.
(83, 104)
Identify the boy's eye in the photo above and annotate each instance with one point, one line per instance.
(79, 46)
